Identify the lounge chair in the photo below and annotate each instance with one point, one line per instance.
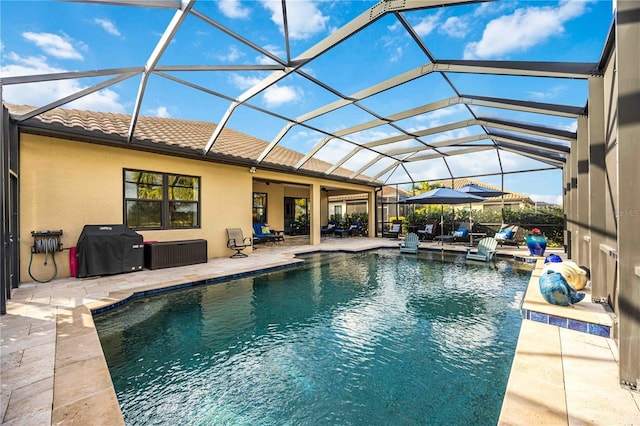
(352, 230)
(508, 235)
(237, 241)
(330, 229)
(263, 234)
(394, 231)
(429, 231)
(410, 243)
(486, 250)
(459, 235)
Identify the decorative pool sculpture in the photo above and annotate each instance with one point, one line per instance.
(575, 275)
(556, 290)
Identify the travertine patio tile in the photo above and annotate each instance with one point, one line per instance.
(591, 381)
(28, 341)
(42, 312)
(34, 397)
(38, 353)
(5, 395)
(28, 373)
(9, 361)
(79, 380)
(98, 409)
(40, 417)
(535, 390)
(78, 348)
(41, 299)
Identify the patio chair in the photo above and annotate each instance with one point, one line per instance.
(353, 229)
(460, 235)
(508, 235)
(330, 229)
(410, 243)
(262, 233)
(486, 250)
(394, 231)
(237, 241)
(430, 230)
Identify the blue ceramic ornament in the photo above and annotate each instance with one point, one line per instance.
(553, 258)
(556, 290)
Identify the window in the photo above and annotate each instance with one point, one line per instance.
(259, 207)
(154, 200)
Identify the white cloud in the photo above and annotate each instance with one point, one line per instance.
(273, 49)
(395, 54)
(161, 112)
(53, 45)
(304, 19)
(552, 93)
(38, 94)
(547, 198)
(274, 95)
(108, 26)
(524, 28)
(434, 118)
(572, 127)
(454, 27)
(233, 9)
(427, 24)
(243, 82)
(232, 54)
(277, 95)
(492, 8)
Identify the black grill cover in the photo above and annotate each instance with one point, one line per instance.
(108, 249)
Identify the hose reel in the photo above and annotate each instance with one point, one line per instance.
(46, 242)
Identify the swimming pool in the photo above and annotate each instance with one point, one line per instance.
(371, 338)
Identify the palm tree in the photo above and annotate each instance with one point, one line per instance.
(422, 187)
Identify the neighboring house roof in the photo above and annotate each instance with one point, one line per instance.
(387, 192)
(185, 137)
(509, 196)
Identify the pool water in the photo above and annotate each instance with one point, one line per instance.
(371, 338)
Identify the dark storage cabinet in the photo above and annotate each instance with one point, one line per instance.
(108, 250)
(169, 254)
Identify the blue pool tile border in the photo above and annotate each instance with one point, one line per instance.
(223, 278)
(155, 291)
(571, 324)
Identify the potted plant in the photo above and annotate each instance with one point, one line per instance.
(536, 242)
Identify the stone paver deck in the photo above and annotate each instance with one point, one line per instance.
(53, 370)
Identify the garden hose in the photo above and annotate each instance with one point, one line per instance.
(46, 246)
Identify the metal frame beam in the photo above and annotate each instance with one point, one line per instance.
(163, 43)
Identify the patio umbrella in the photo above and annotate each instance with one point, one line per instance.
(441, 196)
(480, 191)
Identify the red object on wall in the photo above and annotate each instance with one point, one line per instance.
(73, 262)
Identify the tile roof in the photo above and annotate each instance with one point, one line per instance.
(188, 135)
(460, 182)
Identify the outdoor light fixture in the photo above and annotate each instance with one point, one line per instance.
(252, 170)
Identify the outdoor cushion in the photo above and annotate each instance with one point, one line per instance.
(504, 234)
(428, 228)
(265, 230)
(461, 232)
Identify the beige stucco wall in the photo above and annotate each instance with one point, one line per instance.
(67, 184)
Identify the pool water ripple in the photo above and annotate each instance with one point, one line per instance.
(373, 338)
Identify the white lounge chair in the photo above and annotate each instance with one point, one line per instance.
(410, 244)
(486, 250)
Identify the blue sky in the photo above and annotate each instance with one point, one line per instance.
(40, 37)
